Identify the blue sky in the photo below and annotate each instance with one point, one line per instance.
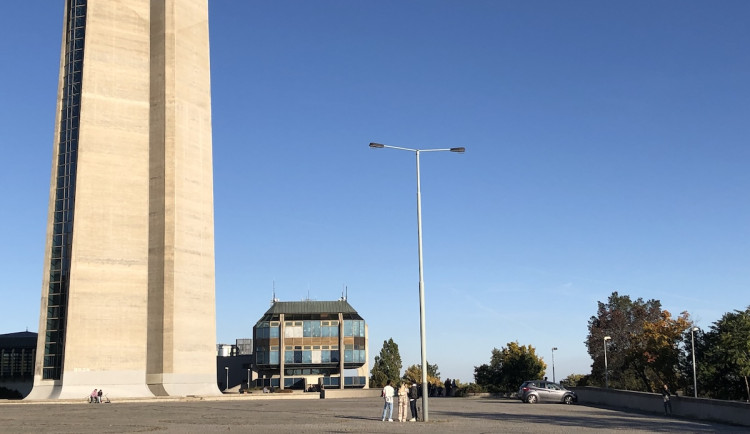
(606, 150)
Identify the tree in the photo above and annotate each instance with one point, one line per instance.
(414, 373)
(723, 357)
(520, 363)
(658, 348)
(509, 367)
(489, 374)
(387, 365)
(643, 350)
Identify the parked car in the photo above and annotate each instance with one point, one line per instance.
(534, 391)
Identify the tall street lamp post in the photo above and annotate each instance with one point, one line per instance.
(226, 385)
(553, 364)
(695, 379)
(423, 341)
(606, 371)
(248, 380)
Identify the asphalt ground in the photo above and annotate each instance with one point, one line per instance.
(266, 414)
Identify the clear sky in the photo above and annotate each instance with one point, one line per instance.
(606, 150)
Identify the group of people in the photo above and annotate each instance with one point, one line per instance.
(96, 397)
(406, 394)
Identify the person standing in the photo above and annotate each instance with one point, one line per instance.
(666, 394)
(402, 400)
(413, 395)
(387, 395)
(99, 396)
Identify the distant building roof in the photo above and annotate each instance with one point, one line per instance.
(18, 340)
(310, 307)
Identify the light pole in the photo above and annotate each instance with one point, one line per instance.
(606, 371)
(423, 340)
(226, 385)
(695, 379)
(553, 364)
(248, 380)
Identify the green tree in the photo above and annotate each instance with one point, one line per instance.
(723, 357)
(387, 365)
(414, 373)
(643, 350)
(520, 363)
(488, 375)
(509, 367)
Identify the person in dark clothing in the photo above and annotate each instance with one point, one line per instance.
(666, 394)
(413, 395)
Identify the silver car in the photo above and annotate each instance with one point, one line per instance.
(534, 391)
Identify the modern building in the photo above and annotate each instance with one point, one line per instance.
(128, 297)
(17, 355)
(311, 343)
(234, 365)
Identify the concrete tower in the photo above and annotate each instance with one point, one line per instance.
(128, 289)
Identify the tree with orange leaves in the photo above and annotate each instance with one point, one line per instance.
(642, 348)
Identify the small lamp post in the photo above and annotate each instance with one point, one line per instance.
(553, 364)
(606, 371)
(226, 385)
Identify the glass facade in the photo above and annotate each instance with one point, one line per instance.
(322, 347)
(267, 342)
(311, 354)
(311, 329)
(327, 382)
(62, 233)
(17, 363)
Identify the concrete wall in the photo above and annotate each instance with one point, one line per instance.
(350, 393)
(141, 298)
(732, 412)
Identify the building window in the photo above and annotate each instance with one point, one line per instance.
(62, 229)
(354, 328)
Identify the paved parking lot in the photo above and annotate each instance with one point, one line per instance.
(269, 415)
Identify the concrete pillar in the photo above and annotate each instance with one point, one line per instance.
(282, 350)
(341, 350)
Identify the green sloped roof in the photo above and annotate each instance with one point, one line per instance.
(310, 307)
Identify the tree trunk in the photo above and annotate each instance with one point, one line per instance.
(748, 389)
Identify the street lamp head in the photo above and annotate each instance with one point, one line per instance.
(606, 338)
(461, 149)
(376, 145)
(695, 329)
(554, 348)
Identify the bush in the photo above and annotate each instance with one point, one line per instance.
(466, 389)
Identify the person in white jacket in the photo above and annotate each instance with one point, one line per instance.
(387, 395)
(403, 401)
